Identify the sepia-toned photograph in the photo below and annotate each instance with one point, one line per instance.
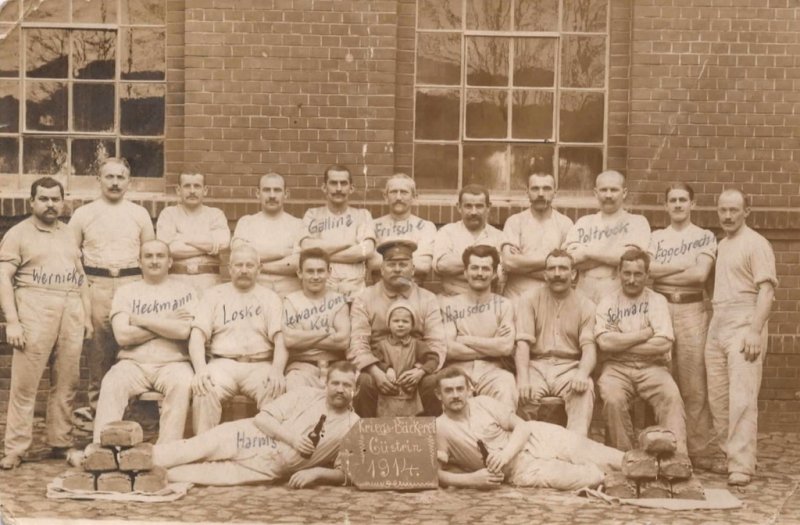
(399, 262)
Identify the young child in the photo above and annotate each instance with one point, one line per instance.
(405, 360)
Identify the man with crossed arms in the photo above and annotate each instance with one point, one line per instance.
(316, 323)
(195, 233)
(241, 322)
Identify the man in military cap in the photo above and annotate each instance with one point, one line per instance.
(369, 324)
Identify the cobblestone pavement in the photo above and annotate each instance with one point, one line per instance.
(773, 497)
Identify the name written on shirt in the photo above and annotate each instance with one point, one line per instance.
(230, 315)
(43, 278)
(595, 233)
(244, 442)
(398, 228)
(330, 223)
(313, 314)
(453, 314)
(615, 315)
(139, 307)
(665, 253)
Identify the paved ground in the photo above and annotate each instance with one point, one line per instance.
(772, 498)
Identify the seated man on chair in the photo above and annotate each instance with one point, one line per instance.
(275, 444)
(240, 321)
(151, 320)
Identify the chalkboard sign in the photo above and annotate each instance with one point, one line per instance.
(391, 453)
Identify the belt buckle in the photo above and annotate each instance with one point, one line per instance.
(675, 297)
(192, 268)
(113, 272)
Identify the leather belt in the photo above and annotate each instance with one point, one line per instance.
(193, 269)
(111, 272)
(682, 297)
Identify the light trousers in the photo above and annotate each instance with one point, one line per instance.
(551, 376)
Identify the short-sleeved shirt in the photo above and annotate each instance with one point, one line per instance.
(452, 240)
(610, 233)
(154, 301)
(264, 233)
(111, 233)
(533, 237)
(487, 420)
(620, 313)
(44, 257)
(240, 324)
(479, 319)
(670, 246)
(175, 224)
(411, 228)
(744, 261)
(555, 327)
(299, 412)
(303, 313)
(353, 226)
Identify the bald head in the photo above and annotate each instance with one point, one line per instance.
(734, 194)
(610, 176)
(151, 244)
(609, 188)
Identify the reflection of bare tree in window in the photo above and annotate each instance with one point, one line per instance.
(489, 14)
(583, 60)
(487, 61)
(46, 53)
(93, 54)
(46, 106)
(439, 14)
(536, 15)
(585, 15)
(45, 156)
(439, 58)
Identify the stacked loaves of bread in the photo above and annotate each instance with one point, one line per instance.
(121, 462)
(655, 470)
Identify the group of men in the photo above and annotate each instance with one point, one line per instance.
(534, 310)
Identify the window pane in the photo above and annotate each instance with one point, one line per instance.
(46, 106)
(9, 50)
(93, 107)
(534, 62)
(9, 11)
(527, 159)
(143, 12)
(93, 54)
(46, 53)
(581, 117)
(142, 54)
(487, 113)
(439, 14)
(46, 10)
(436, 166)
(489, 14)
(142, 109)
(487, 61)
(585, 15)
(583, 61)
(146, 157)
(9, 106)
(44, 155)
(88, 153)
(97, 11)
(486, 164)
(578, 167)
(536, 15)
(9, 155)
(532, 115)
(439, 58)
(436, 114)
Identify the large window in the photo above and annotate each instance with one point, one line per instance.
(81, 80)
(506, 86)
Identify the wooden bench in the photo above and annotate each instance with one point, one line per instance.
(237, 407)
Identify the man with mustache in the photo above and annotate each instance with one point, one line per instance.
(274, 445)
(597, 241)
(634, 331)
(744, 289)
(45, 301)
(682, 257)
(195, 233)
(274, 234)
(451, 241)
(400, 193)
(316, 323)
(370, 326)
(524, 454)
(344, 232)
(110, 231)
(151, 319)
(532, 234)
(479, 328)
(240, 322)
(556, 352)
